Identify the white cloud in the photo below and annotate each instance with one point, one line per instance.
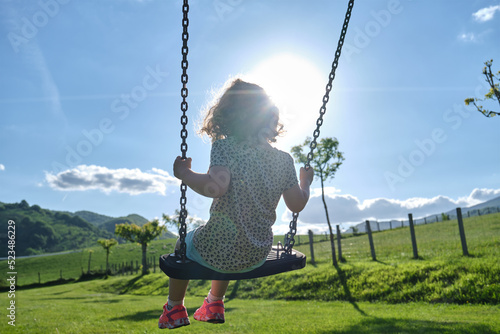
(471, 37)
(349, 210)
(486, 14)
(467, 37)
(2, 167)
(329, 191)
(481, 195)
(123, 180)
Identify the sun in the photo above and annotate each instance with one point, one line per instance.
(296, 86)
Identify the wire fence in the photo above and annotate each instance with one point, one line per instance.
(378, 226)
(481, 230)
(474, 233)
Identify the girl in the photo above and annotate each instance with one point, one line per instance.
(246, 180)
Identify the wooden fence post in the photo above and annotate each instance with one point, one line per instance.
(311, 246)
(90, 256)
(462, 232)
(370, 239)
(339, 244)
(413, 238)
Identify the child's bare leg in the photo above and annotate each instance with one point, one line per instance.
(218, 290)
(177, 290)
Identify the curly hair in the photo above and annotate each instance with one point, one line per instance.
(245, 112)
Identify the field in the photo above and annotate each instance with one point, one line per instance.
(441, 292)
(77, 308)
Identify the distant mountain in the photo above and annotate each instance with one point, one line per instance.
(42, 231)
(491, 206)
(492, 203)
(130, 219)
(495, 202)
(108, 223)
(92, 217)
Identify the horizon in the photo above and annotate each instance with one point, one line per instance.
(314, 227)
(91, 99)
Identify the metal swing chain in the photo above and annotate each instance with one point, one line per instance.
(290, 236)
(184, 133)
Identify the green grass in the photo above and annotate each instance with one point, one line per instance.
(73, 264)
(77, 308)
(435, 241)
(440, 275)
(434, 282)
(441, 292)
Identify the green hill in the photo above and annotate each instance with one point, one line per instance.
(41, 231)
(441, 274)
(130, 219)
(92, 217)
(44, 231)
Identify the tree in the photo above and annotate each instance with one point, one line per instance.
(106, 244)
(493, 93)
(173, 221)
(326, 161)
(142, 235)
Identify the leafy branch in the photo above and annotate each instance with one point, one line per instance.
(492, 94)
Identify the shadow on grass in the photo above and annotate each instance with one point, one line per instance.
(87, 299)
(350, 298)
(371, 325)
(234, 291)
(152, 314)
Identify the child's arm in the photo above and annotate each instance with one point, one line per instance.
(297, 196)
(212, 184)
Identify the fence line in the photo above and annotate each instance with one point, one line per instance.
(122, 268)
(436, 243)
(378, 226)
(360, 250)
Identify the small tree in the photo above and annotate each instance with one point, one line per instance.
(327, 159)
(493, 93)
(173, 221)
(142, 235)
(106, 244)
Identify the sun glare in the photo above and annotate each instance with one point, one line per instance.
(296, 86)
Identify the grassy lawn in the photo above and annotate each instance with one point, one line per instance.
(437, 241)
(441, 292)
(71, 266)
(77, 308)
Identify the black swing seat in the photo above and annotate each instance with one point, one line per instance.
(277, 262)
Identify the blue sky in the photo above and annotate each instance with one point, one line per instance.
(90, 100)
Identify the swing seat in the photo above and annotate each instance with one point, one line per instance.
(277, 262)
